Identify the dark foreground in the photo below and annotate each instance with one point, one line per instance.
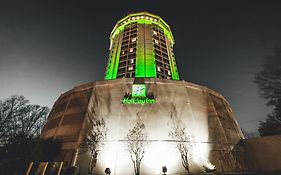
(239, 173)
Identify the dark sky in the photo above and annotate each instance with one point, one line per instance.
(48, 47)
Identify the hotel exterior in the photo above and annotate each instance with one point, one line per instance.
(142, 85)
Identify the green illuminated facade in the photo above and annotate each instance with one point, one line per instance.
(141, 45)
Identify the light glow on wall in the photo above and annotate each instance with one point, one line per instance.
(161, 153)
(158, 152)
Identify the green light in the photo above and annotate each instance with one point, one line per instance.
(138, 90)
(145, 65)
(119, 27)
(140, 58)
(141, 101)
(112, 66)
(116, 63)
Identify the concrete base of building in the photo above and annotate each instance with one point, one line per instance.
(210, 129)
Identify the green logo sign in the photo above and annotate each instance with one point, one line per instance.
(139, 90)
(138, 96)
(141, 101)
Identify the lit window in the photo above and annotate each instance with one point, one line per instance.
(169, 73)
(131, 49)
(156, 41)
(130, 68)
(123, 52)
(158, 69)
(133, 18)
(151, 19)
(154, 32)
(147, 17)
(131, 60)
(138, 17)
(142, 17)
(134, 39)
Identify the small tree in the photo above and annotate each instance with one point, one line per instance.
(178, 133)
(96, 132)
(136, 140)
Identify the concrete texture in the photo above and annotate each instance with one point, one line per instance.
(263, 153)
(204, 114)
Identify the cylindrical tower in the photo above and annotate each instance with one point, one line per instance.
(141, 45)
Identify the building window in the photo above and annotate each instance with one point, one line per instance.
(131, 60)
(156, 41)
(130, 68)
(154, 32)
(169, 73)
(158, 69)
(131, 49)
(134, 39)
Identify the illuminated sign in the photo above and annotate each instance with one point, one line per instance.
(138, 96)
(142, 101)
(138, 90)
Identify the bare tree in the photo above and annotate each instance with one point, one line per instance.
(179, 135)
(95, 137)
(136, 140)
(18, 116)
(183, 142)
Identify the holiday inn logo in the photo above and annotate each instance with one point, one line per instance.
(138, 96)
(138, 90)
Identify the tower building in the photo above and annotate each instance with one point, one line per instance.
(142, 92)
(141, 45)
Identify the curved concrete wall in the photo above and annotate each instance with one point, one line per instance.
(204, 115)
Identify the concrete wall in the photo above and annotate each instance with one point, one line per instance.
(263, 153)
(204, 115)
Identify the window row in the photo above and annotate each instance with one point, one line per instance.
(161, 54)
(130, 56)
(130, 27)
(127, 51)
(126, 75)
(161, 60)
(132, 40)
(126, 63)
(163, 49)
(130, 32)
(159, 75)
(125, 47)
(130, 36)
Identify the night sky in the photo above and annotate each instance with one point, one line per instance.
(48, 47)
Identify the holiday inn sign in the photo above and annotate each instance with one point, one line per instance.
(138, 96)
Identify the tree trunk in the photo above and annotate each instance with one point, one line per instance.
(90, 165)
(185, 165)
(138, 167)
